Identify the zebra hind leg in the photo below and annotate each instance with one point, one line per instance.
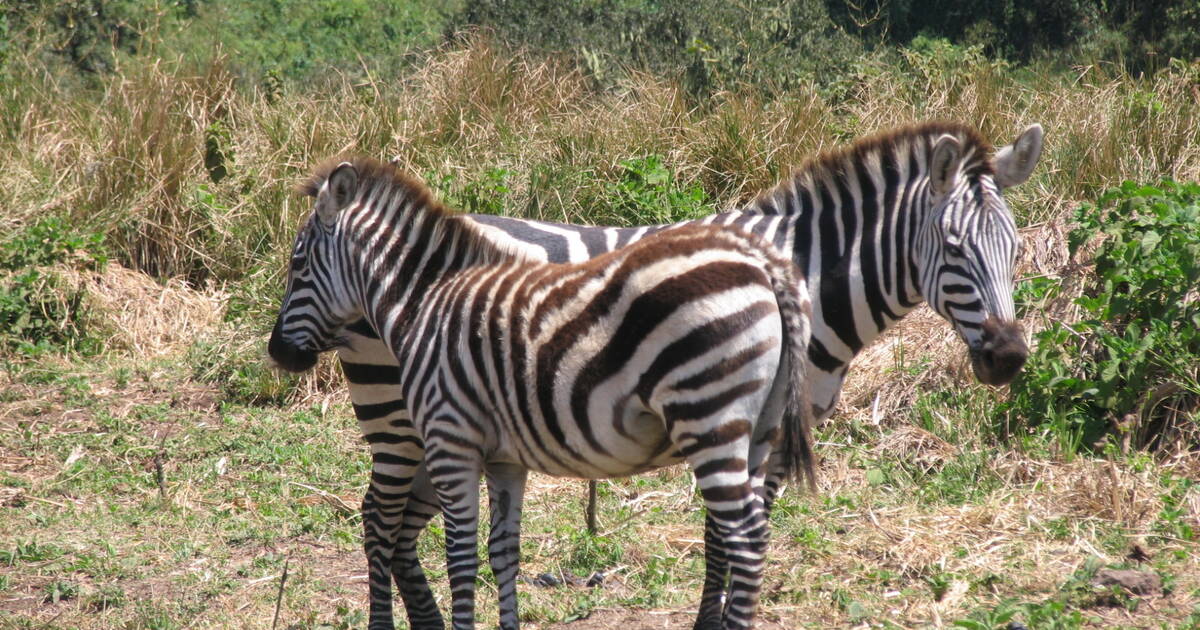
(736, 525)
(506, 490)
(419, 602)
(745, 545)
(716, 578)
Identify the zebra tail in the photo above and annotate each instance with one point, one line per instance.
(799, 462)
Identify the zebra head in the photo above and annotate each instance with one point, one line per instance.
(967, 250)
(317, 302)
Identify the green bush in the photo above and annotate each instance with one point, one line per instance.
(295, 39)
(86, 34)
(289, 38)
(648, 193)
(38, 309)
(708, 45)
(1131, 363)
(486, 194)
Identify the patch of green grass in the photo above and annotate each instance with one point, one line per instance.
(30, 551)
(60, 590)
(108, 596)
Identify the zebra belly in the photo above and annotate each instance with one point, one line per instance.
(640, 444)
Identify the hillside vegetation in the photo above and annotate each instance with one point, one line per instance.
(154, 473)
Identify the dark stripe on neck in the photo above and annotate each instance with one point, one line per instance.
(374, 411)
(363, 328)
(371, 373)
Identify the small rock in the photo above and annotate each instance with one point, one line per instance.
(546, 579)
(1137, 554)
(1015, 625)
(1133, 581)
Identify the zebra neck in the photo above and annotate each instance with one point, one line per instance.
(397, 265)
(852, 232)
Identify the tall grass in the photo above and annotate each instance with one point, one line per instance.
(128, 157)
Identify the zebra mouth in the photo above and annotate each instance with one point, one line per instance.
(287, 355)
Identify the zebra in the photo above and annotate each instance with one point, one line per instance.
(688, 346)
(904, 216)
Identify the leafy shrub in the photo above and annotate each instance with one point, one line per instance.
(297, 38)
(38, 310)
(487, 194)
(648, 193)
(60, 591)
(292, 38)
(1131, 363)
(84, 33)
(709, 45)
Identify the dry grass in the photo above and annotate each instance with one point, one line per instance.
(147, 318)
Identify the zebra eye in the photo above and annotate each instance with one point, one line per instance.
(954, 251)
(298, 262)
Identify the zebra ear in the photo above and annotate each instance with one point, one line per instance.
(337, 193)
(1014, 163)
(944, 164)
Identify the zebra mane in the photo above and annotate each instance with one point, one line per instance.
(834, 164)
(401, 184)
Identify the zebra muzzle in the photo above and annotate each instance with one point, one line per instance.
(288, 355)
(1001, 354)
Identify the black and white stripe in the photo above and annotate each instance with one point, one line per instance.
(878, 227)
(688, 346)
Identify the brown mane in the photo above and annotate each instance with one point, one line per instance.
(974, 146)
(372, 172)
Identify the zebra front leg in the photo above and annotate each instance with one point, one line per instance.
(506, 491)
(419, 602)
(455, 476)
(382, 511)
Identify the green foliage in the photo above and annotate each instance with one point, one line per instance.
(296, 39)
(87, 34)
(293, 38)
(486, 194)
(1173, 519)
(6, 44)
(109, 596)
(1138, 342)
(1140, 35)
(51, 241)
(648, 193)
(590, 553)
(29, 551)
(1060, 612)
(38, 309)
(934, 59)
(60, 590)
(709, 45)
